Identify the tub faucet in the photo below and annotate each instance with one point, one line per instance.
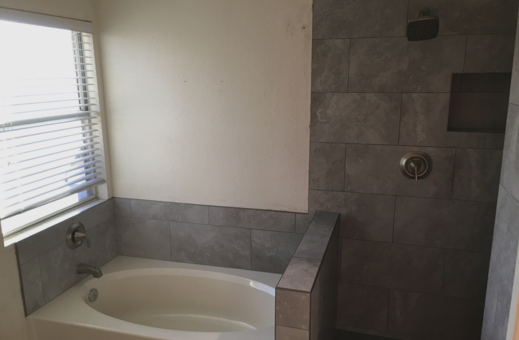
(86, 269)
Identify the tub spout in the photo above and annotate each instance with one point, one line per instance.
(86, 269)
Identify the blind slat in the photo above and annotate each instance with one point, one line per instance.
(30, 121)
(82, 156)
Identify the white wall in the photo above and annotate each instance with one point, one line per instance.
(12, 319)
(208, 101)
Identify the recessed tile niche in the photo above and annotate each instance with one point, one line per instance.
(479, 102)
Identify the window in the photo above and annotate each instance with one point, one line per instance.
(51, 149)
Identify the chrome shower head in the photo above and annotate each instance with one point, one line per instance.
(424, 27)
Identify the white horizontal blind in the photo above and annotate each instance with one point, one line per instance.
(50, 137)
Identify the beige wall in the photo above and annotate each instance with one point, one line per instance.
(12, 320)
(208, 101)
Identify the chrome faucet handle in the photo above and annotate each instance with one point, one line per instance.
(76, 235)
(79, 236)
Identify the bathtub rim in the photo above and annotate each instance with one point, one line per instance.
(57, 311)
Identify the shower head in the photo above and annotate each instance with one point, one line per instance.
(424, 27)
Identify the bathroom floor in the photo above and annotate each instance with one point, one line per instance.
(345, 335)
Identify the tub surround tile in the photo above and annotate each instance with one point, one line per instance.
(252, 219)
(484, 82)
(476, 175)
(447, 224)
(391, 265)
(42, 242)
(489, 53)
(424, 122)
(168, 211)
(374, 169)
(58, 266)
(303, 221)
(272, 251)
(287, 333)
(315, 241)
(363, 306)
(434, 316)
(95, 215)
(300, 275)
(466, 274)
(330, 65)
(359, 18)
(370, 118)
(364, 217)
(292, 309)
(395, 65)
(143, 238)
(123, 207)
(211, 245)
(32, 286)
(111, 238)
(327, 166)
(473, 17)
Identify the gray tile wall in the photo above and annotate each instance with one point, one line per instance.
(306, 295)
(414, 256)
(48, 266)
(226, 237)
(499, 303)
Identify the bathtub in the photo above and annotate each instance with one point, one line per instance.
(151, 299)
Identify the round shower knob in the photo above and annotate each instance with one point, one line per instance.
(416, 165)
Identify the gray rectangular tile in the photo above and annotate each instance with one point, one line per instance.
(303, 221)
(323, 299)
(211, 245)
(448, 224)
(363, 217)
(95, 215)
(252, 219)
(356, 19)
(390, 265)
(363, 306)
(287, 333)
(424, 122)
(316, 240)
(489, 53)
(434, 317)
(510, 166)
(32, 287)
(143, 238)
(111, 239)
(272, 251)
(300, 275)
(327, 166)
(42, 242)
(471, 17)
(395, 65)
(168, 211)
(466, 274)
(58, 266)
(292, 309)
(375, 169)
(370, 118)
(514, 86)
(476, 174)
(330, 65)
(122, 207)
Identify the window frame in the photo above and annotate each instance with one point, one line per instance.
(100, 193)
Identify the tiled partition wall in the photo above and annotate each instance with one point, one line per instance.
(414, 256)
(48, 266)
(499, 300)
(306, 295)
(226, 237)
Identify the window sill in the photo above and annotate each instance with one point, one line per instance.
(39, 227)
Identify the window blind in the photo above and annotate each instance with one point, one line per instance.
(50, 133)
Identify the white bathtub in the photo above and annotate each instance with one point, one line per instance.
(151, 299)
